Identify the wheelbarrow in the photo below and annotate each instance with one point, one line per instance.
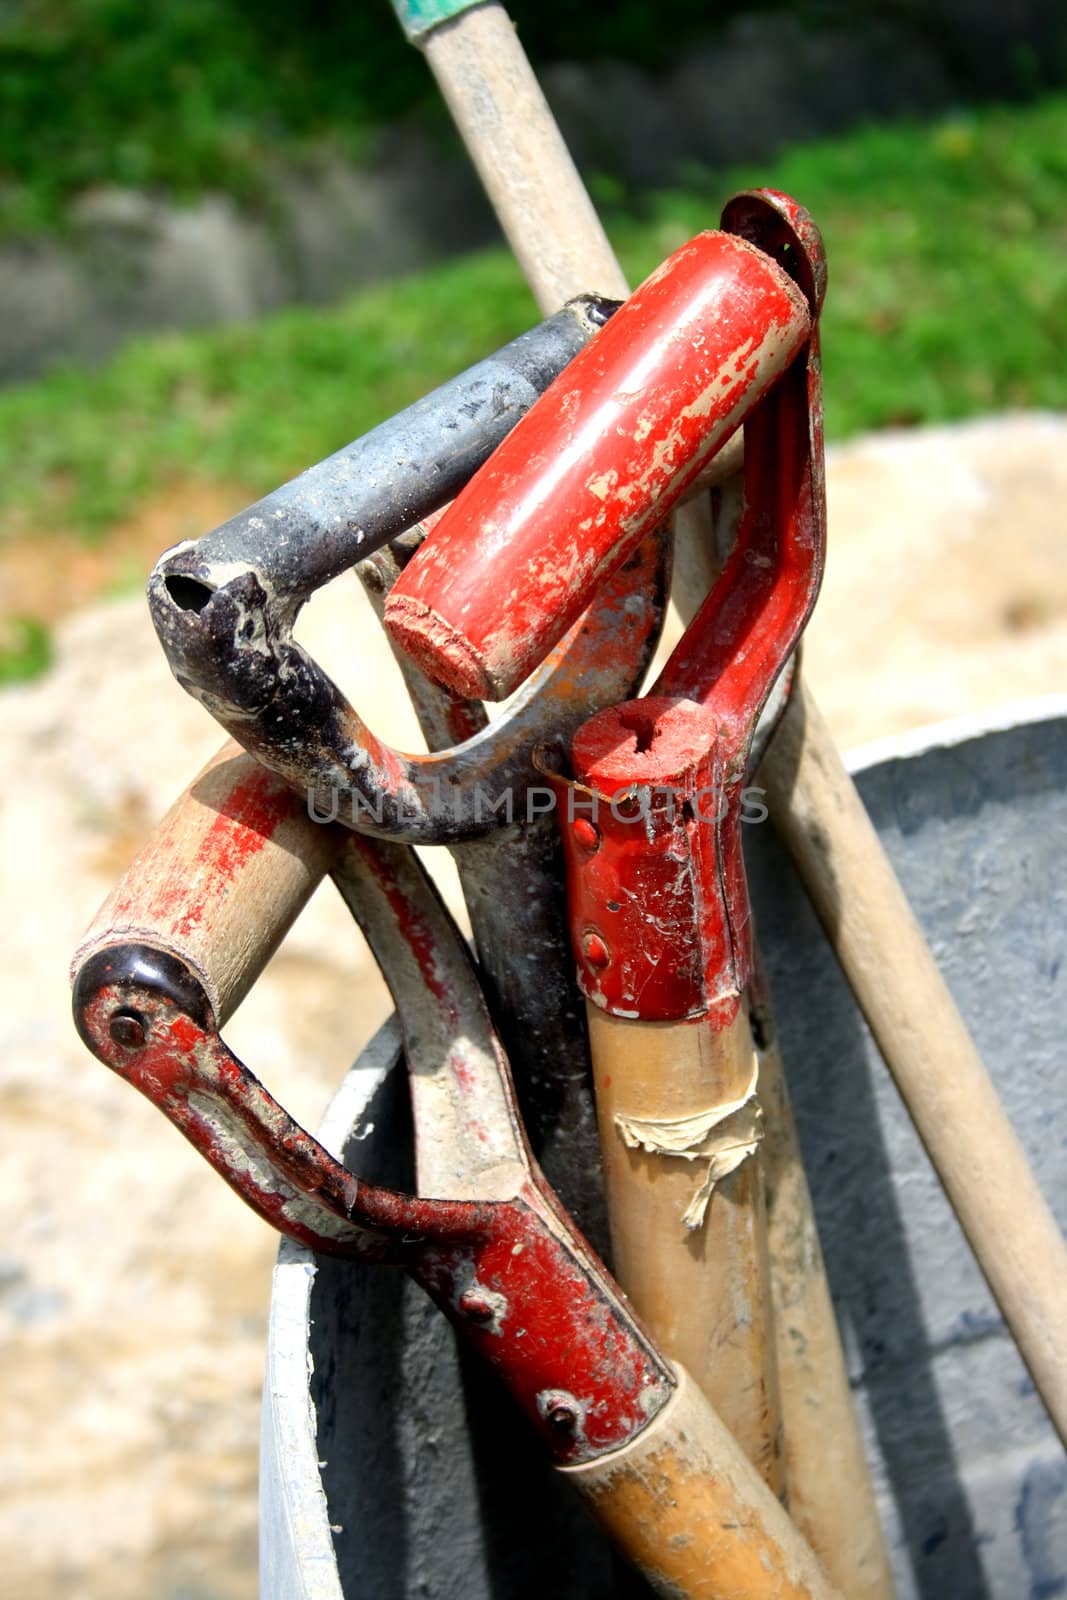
(366, 1395)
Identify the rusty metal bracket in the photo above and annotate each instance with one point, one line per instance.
(651, 818)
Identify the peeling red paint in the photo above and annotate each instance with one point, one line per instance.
(563, 1325)
(183, 1032)
(246, 817)
(667, 893)
(552, 1308)
(411, 923)
(558, 1327)
(606, 452)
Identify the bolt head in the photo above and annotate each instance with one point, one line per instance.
(560, 1410)
(128, 1030)
(628, 806)
(475, 1306)
(596, 951)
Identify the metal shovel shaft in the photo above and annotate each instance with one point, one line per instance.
(330, 516)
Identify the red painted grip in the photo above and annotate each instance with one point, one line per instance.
(598, 461)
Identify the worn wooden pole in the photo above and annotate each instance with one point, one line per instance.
(516, 147)
(693, 1260)
(819, 1422)
(513, 140)
(225, 928)
(920, 1033)
(684, 1503)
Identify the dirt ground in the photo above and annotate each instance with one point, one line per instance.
(133, 1286)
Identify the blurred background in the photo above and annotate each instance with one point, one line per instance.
(235, 235)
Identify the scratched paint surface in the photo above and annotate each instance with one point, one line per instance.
(556, 1327)
(281, 706)
(254, 810)
(556, 1330)
(225, 606)
(601, 457)
(660, 920)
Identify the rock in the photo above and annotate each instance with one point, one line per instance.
(130, 262)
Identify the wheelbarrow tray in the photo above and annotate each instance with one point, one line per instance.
(390, 1469)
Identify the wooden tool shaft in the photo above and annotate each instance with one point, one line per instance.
(830, 1495)
(683, 1502)
(518, 151)
(698, 1275)
(815, 806)
(222, 878)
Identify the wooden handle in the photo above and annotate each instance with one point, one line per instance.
(222, 879)
(686, 1506)
(535, 188)
(700, 1284)
(922, 1037)
(830, 1499)
(519, 153)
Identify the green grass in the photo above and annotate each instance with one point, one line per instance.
(202, 94)
(947, 249)
(25, 650)
(197, 95)
(948, 297)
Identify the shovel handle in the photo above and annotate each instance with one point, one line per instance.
(518, 151)
(831, 1498)
(924, 1041)
(685, 1506)
(697, 1272)
(813, 801)
(478, 62)
(221, 880)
